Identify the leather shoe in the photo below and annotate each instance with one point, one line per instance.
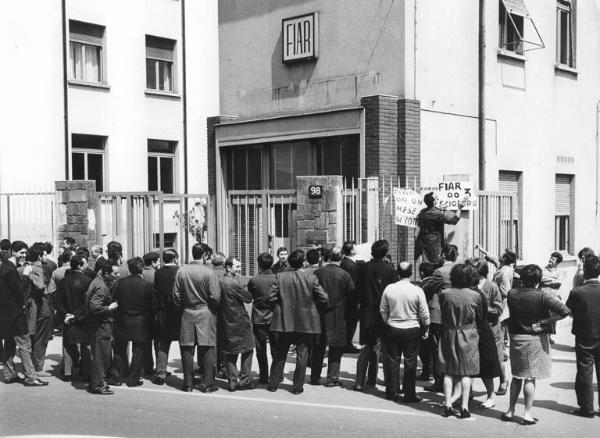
(158, 380)
(583, 413)
(413, 399)
(358, 387)
(247, 386)
(103, 391)
(134, 384)
(297, 391)
(271, 388)
(186, 388)
(392, 397)
(113, 383)
(314, 382)
(332, 383)
(34, 382)
(208, 388)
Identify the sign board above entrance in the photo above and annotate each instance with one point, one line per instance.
(300, 36)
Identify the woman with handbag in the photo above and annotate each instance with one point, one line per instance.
(530, 325)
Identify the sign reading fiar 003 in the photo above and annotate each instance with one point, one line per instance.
(315, 192)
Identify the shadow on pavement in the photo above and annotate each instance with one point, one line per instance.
(563, 347)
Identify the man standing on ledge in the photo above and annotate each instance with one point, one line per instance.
(430, 221)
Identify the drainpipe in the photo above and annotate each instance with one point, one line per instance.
(481, 95)
(185, 131)
(597, 147)
(65, 87)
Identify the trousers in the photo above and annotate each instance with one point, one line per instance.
(261, 337)
(587, 353)
(334, 360)
(123, 368)
(101, 353)
(239, 377)
(21, 345)
(207, 357)
(43, 331)
(401, 342)
(283, 342)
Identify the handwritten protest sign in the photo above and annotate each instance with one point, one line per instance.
(407, 205)
(451, 193)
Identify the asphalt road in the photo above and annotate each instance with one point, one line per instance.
(164, 411)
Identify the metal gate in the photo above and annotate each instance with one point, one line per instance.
(496, 223)
(152, 221)
(29, 217)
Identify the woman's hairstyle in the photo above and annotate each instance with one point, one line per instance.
(531, 275)
(508, 258)
(463, 276)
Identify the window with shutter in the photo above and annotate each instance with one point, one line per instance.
(563, 221)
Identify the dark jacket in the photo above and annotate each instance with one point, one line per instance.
(373, 277)
(70, 298)
(259, 287)
(97, 299)
(338, 285)
(168, 317)
(280, 267)
(352, 268)
(295, 296)
(532, 306)
(12, 316)
(237, 328)
(433, 286)
(133, 317)
(584, 302)
(430, 239)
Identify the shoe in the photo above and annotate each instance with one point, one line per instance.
(43, 374)
(434, 388)
(449, 411)
(358, 387)
(247, 386)
(393, 397)
(186, 388)
(332, 383)
(583, 413)
(488, 404)
(502, 389)
(505, 417)
(314, 382)
(222, 375)
(465, 414)
(271, 388)
(413, 399)
(297, 391)
(103, 391)
(208, 388)
(66, 378)
(15, 379)
(134, 384)
(114, 383)
(525, 422)
(552, 341)
(158, 380)
(35, 382)
(232, 387)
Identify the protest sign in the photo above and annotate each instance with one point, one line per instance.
(451, 193)
(407, 204)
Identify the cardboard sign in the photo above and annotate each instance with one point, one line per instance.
(407, 205)
(450, 193)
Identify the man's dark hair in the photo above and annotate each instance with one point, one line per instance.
(228, 263)
(104, 266)
(426, 269)
(135, 265)
(151, 257)
(83, 252)
(199, 249)
(33, 254)
(531, 275)
(76, 262)
(114, 250)
(450, 252)
(405, 270)
(281, 249)
(379, 249)
(336, 255)
(17, 246)
(480, 265)
(39, 245)
(65, 257)
(265, 261)
(508, 258)
(169, 255)
(463, 276)
(558, 256)
(296, 259)
(347, 247)
(585, 253)
(313, 256)
(4, 245)
(48, 247)
(69, 240)
(591, 267)
(429, 199)
(218, 259)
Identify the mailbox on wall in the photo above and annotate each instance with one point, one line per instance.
(300, 36)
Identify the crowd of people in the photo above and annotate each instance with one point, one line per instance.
(119, 320)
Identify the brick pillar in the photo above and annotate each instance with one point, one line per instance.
(409, 164)
(381, 157)
(76, 204)
(319, 221)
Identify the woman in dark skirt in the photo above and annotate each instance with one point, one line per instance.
(461, 310)
(530, 326)
(489, 361)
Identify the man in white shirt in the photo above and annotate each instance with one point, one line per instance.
(406, 316)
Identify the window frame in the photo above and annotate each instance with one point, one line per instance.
(566, 8)
(100, 47)
(560, 224)
(505, 20)
(86, 152)
(158, 61)
(163, 155)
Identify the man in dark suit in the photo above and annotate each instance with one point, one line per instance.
(168, 314)
(584, 302)
(339, 286)
(259, 287)
(433, 286)
(295, 296)
(133, 319)
(373, 277)
(352, 315)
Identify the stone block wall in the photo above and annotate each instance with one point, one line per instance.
(319, 221)
(76, 203)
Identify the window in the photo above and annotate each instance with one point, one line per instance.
(510, 182)
(161, 166)
(511, 30)
(339, 156)
(87, 158)
(563, 217)
(565, 33)
(160, 55)
(86, 48)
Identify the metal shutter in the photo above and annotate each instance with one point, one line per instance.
(509, 182)
(86, 33)
(562, 195)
